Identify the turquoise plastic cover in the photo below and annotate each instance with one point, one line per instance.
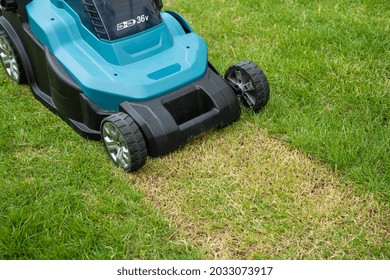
(135, 68)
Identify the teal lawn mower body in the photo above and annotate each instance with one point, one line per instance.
(134, 68)
(123, 71)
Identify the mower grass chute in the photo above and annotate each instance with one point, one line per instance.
(125, 72)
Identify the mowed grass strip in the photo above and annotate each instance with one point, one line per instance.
(240, 194)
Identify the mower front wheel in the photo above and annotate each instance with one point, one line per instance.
(124, 142)
(249, 83)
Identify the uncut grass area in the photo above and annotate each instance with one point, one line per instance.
(306, 178)
(328, 67)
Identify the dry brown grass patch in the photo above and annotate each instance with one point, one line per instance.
(239, 194)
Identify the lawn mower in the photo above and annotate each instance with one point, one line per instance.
(124, 71)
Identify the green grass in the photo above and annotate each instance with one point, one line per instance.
(59, 200)
(307, 178)
(328, 64)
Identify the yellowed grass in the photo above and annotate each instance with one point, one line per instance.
(240, 195)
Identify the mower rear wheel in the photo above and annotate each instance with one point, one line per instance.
(249, 83)
(10, 59)
(124, 142)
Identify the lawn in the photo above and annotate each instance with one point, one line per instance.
(306, 178)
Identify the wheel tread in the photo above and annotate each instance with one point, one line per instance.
(133, 137)
(259, 80)
(22, 73)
